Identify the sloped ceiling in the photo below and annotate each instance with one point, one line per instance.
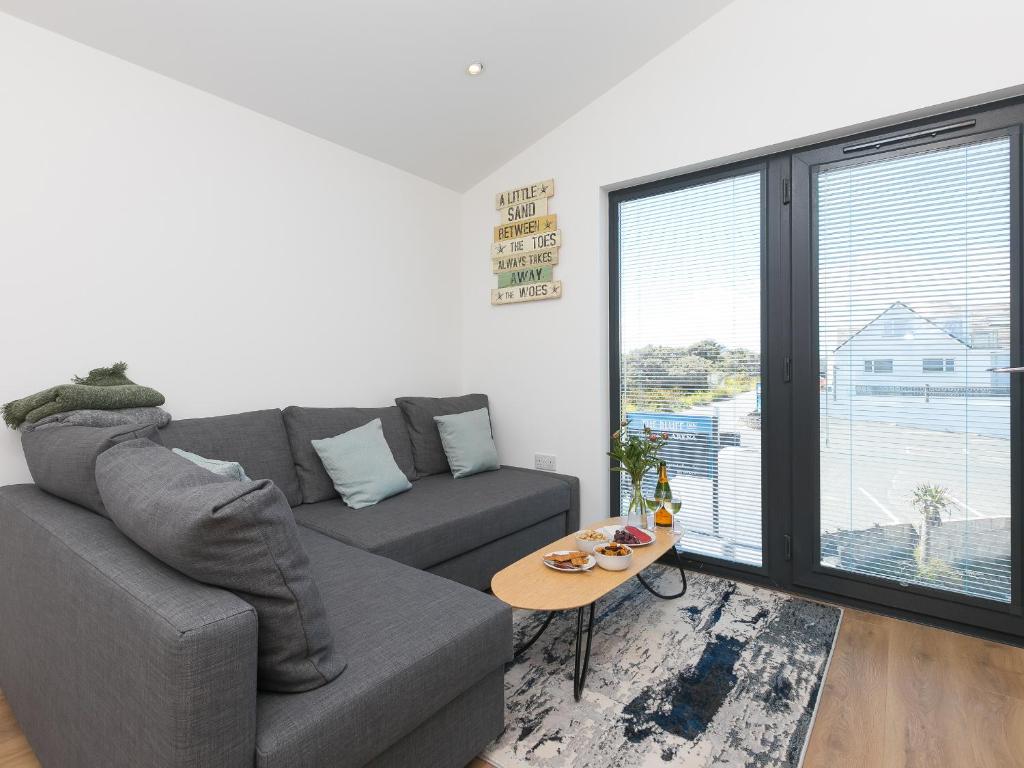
(387, 78)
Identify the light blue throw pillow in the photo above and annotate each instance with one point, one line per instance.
(467, 442)
(229, 469)
(361, 465)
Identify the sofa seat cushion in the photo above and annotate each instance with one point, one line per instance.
(413, 641)
(440, 517)
(257, 440)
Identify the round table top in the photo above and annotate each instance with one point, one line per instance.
(531, 585)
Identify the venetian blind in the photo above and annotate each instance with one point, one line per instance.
(690, 353)
(914, 308)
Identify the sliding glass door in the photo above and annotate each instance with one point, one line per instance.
(689, 350)
(907, 248)
(832, 340)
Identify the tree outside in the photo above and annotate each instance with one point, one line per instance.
(673, 379)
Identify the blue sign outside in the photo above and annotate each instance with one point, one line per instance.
(672, 422)
(693, 444)
(692, 448)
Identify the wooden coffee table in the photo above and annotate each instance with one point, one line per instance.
(532, 586)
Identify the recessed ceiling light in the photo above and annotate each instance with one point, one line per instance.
(475, 68)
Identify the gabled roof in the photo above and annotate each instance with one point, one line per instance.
(912, 311)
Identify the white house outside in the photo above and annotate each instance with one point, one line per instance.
(905, 368)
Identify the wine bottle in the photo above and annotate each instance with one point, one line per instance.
(663, 496)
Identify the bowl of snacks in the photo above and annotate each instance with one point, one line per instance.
(613, 556)
(587, 540)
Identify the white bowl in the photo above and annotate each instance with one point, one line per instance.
(614, 562)
(588, 546)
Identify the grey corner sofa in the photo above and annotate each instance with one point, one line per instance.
(111, 658)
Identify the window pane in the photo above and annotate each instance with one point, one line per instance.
(690, 353)
(914, 283)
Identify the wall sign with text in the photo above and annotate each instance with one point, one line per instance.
(524, 251)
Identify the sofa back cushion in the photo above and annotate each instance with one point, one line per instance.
(228, 533)
(62, 459)
(307, 424)
(427, 450)
(256, 440)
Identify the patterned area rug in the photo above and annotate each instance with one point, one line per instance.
(727, 675)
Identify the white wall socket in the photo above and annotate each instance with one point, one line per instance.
(544, 461)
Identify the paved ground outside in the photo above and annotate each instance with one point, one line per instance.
(739, 491)
(869, 470)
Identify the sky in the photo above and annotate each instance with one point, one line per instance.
(930, 229)
(691, 264)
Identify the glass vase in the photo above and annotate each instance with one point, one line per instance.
(637, 512)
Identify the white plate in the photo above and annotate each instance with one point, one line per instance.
(609, 531)
(591, 562)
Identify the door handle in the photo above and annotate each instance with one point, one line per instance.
(1017, 369)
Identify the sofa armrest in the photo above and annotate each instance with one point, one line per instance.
(108, 656)
(572, 518)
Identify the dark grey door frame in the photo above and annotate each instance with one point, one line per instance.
(790, 377)
(775, 327)
(807, 569)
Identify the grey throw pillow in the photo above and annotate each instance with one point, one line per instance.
(427, 450)
(232, 534)
(62, 459)
(255, 439)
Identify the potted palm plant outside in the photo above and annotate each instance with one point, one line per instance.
(932, 502)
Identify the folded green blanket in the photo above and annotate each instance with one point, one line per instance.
(105, 377)
(103, 389)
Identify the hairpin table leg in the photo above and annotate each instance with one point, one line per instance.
(526, 646)
(580, 674)
(682, 573)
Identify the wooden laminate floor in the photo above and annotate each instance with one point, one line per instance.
(897, 695)
(14, 749)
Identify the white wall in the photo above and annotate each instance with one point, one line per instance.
(756, 74)
(234, 262)
(144, 220)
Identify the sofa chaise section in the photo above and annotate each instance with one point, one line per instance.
(140, 665)
(423, 652)
(109, 657)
